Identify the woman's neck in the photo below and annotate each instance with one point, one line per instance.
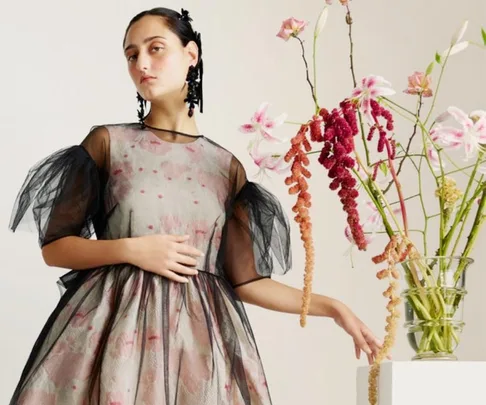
(172, 118)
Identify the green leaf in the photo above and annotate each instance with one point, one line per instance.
(438, 58)
(384, 168)
(483, 33)
(429, 68)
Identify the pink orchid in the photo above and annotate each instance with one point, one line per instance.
(419, 83)
(472, 135)
(267, 161)
(260, 122)
(291, 27)
(371, 88)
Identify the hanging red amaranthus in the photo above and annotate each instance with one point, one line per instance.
(298, 185)
(340, 127)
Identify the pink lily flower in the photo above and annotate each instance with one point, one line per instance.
(371, 225)
(371, 88)
(260, 122)
(434, 157)
(472, 135)
(291, 27)
(267, 161)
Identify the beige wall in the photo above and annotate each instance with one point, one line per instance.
(62, 71)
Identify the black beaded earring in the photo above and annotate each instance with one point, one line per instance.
(141, 112)
(192, 89)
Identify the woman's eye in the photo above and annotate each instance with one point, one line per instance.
(131, 58)
(157, 48)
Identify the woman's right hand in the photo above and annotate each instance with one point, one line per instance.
(166, 255)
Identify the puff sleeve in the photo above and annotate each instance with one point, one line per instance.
(62, 194)
(256, 237)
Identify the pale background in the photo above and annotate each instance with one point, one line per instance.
(63, 71)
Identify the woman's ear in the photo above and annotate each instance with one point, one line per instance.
(193, 53)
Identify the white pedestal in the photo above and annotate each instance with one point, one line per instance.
(426, 383)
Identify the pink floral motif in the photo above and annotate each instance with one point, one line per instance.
(152, 144)
(195, 152)
(122, 174)
(80, 319)
(154, 340)
(170, 224)
(174, 170)
(195, 372)
(217, 184)
(94, 341)
(116, 398)
(200, 229)
(63, 365)
(151, 391)
(122, 346)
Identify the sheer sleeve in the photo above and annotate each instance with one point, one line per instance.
(256, 237)
(62, 194)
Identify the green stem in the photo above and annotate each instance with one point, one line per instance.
(478, 222)
(349, 21)
(409, 144)
(463, 168)
(436, 92)
(467, 210)
(293, 123)
(399, 106)
(422, 204)
(445, 241)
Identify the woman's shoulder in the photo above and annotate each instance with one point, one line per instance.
(103, 135)
(108, 130)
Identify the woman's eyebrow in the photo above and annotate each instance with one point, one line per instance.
(144, 41)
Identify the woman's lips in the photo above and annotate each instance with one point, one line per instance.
(146, 79)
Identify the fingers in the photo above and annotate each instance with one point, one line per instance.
(360, 341)
(183, 259)
(188, 250)
(374, 343)
(179, 268)
(178, 238)
(175, 277)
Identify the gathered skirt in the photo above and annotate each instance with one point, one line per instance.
(123, 336)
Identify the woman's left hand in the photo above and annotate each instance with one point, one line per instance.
(364, 340)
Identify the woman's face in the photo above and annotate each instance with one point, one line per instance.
(157, 61)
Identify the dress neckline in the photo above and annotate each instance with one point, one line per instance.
(150, 129)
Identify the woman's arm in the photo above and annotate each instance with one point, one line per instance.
(77, 253)
(271, 294)
(275, 296)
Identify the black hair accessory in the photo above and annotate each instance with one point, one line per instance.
(185, 16)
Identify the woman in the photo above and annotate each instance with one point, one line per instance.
(152, 310)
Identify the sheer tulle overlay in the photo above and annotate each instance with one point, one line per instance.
(122, 335)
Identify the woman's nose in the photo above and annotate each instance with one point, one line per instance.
(143, 62)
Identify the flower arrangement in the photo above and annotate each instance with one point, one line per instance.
(357, 147)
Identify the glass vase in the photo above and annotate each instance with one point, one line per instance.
(434, 304)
